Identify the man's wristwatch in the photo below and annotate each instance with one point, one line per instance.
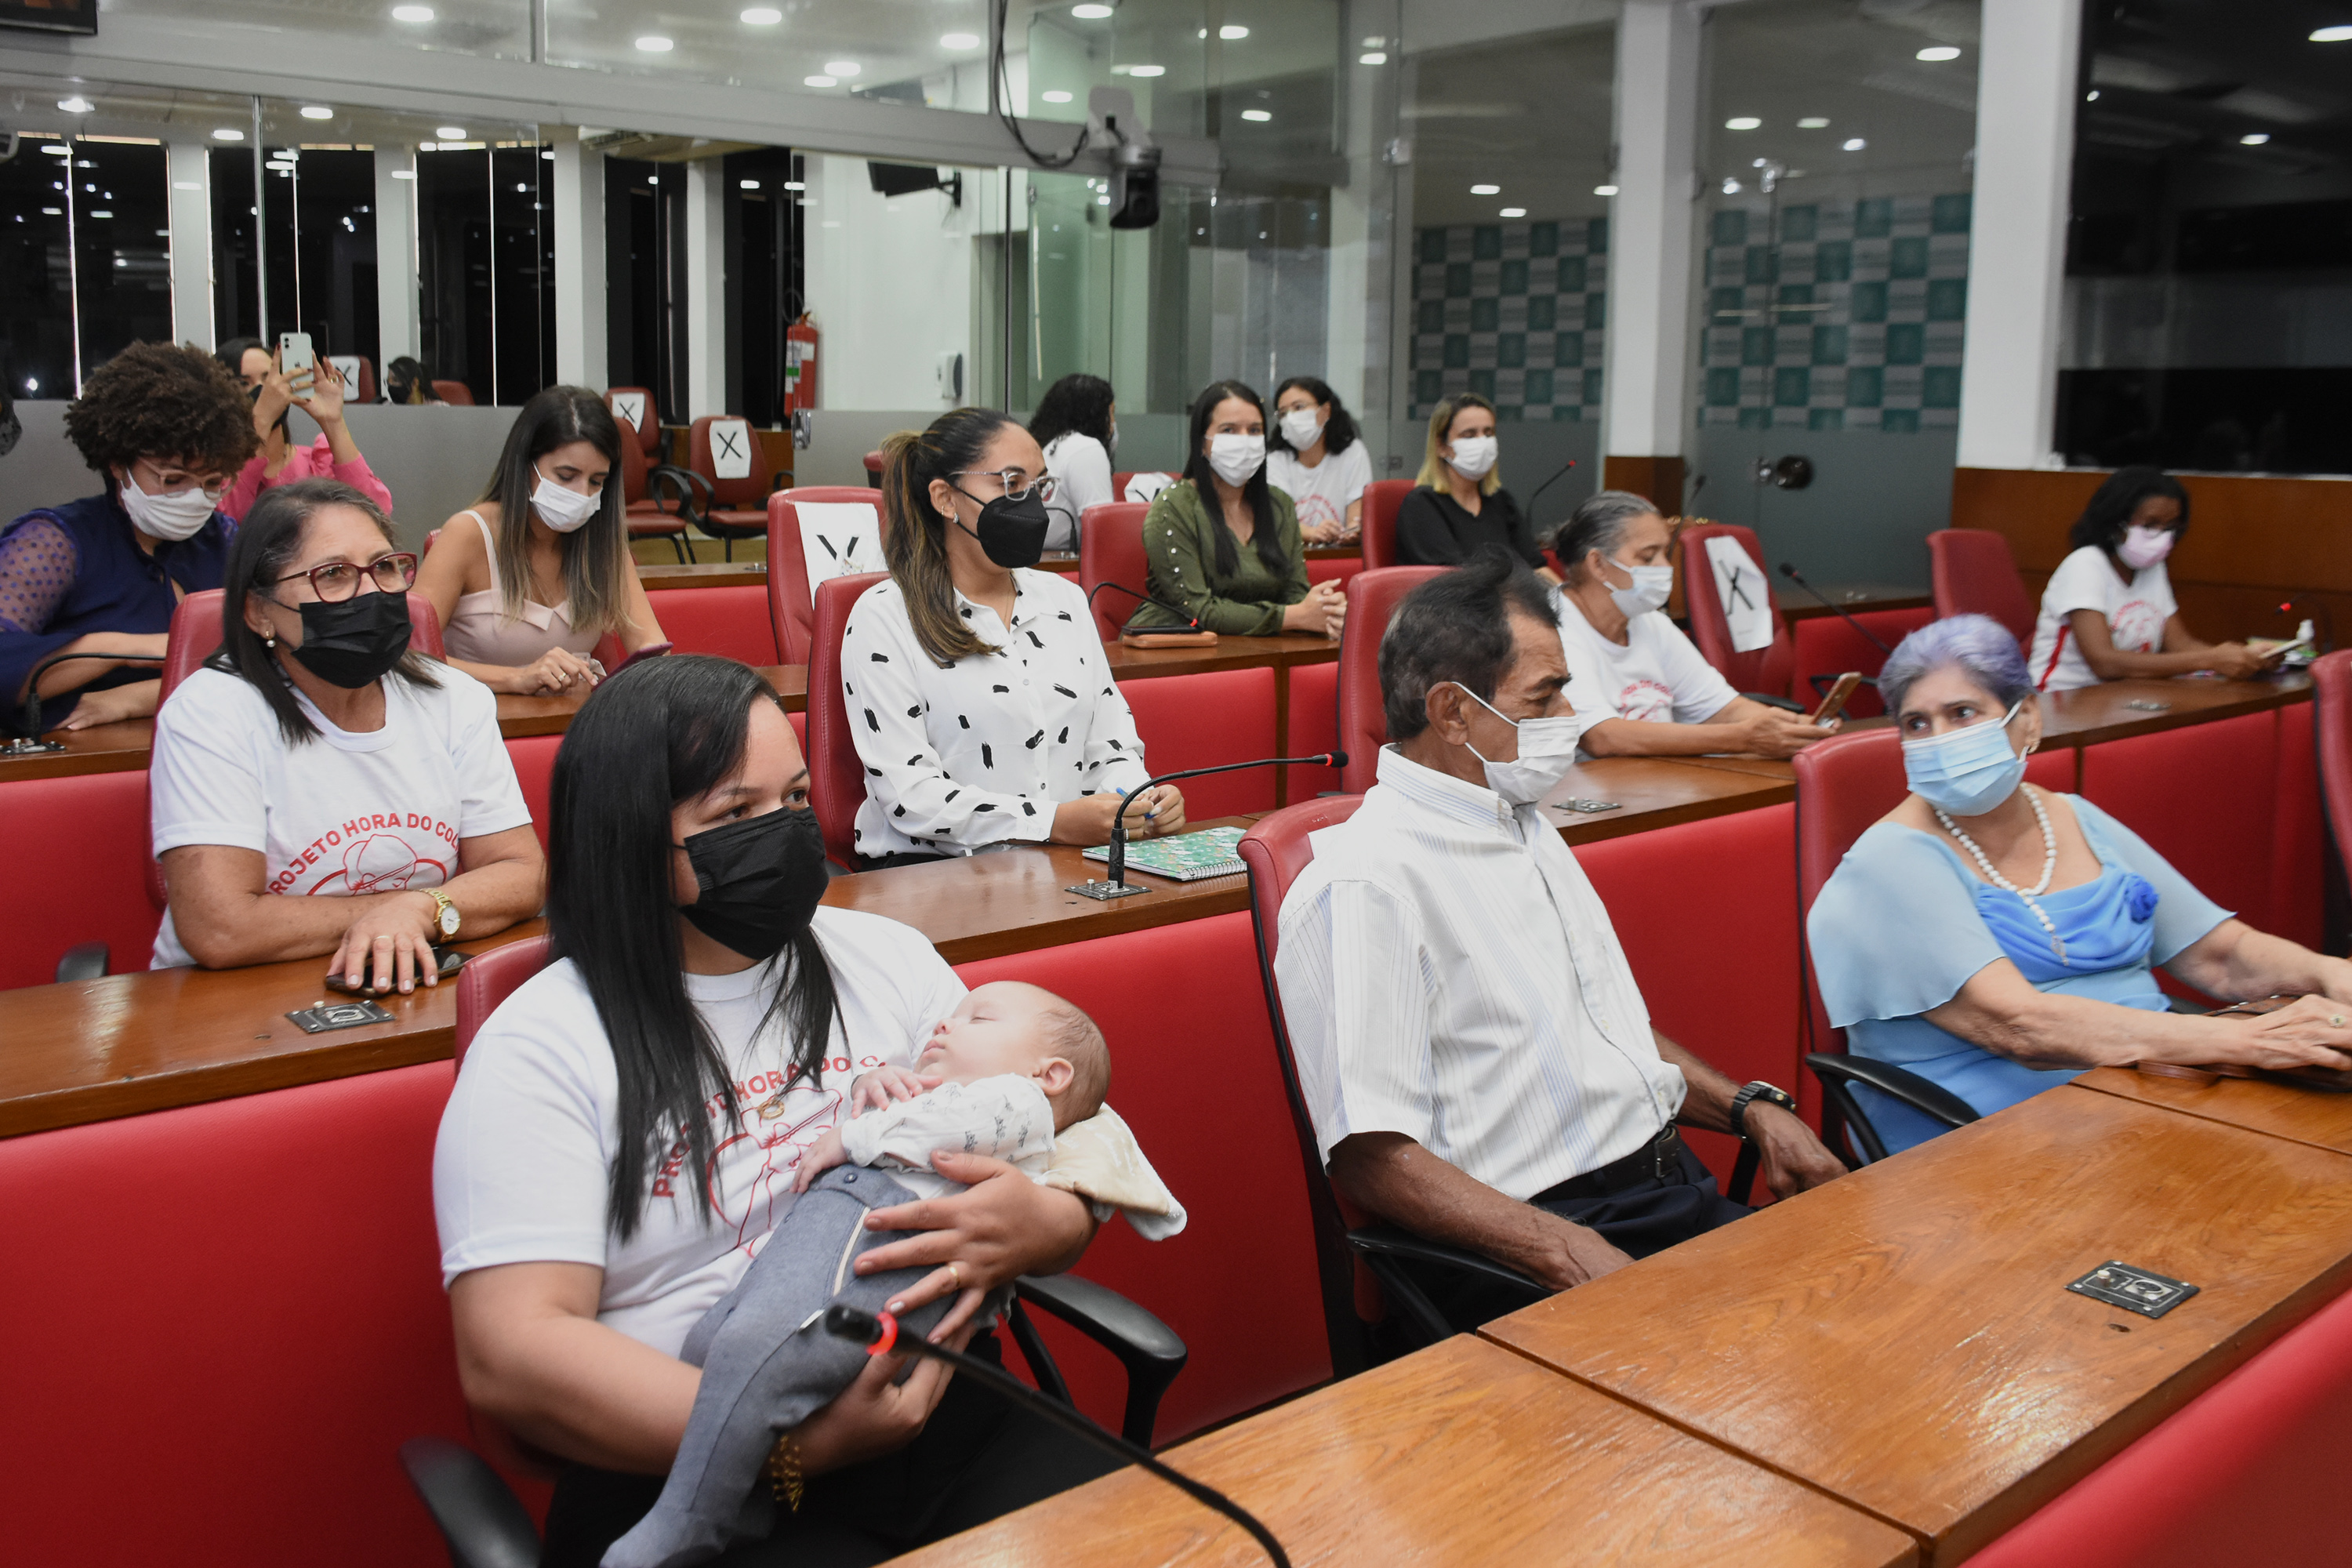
(445, 920)
(1750, 1095)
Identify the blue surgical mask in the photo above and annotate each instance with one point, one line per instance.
(1965, 772)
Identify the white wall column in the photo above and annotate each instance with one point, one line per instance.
(395, 255)
(706, 288)
(578, 212)
(191, 217)
(2026, 86)
(1651, 217)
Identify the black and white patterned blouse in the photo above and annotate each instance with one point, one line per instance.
(977, 754)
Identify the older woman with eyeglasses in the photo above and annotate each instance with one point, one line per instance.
(315, 757)
(979, 695)
(1997, 939)
(94, 583)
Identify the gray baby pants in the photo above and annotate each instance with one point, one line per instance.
(766, 1367)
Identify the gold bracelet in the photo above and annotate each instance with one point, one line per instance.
(784, 1472)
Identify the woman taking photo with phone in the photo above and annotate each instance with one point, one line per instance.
(318, 392)
(530, 578)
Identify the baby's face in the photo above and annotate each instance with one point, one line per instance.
(1000, 1028)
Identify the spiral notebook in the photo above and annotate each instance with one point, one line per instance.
(1186, 857)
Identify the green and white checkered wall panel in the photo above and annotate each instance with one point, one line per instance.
(1512, 311)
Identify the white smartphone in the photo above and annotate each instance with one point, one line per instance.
(294, 355)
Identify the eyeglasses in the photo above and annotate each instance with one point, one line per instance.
(1017, 485)
(340, 580)
(212, 487)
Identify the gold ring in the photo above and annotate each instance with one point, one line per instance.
(2335, 1020)
(957, 1275)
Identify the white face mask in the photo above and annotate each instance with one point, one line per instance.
(2144, 546)
(561, 507)
(1546, 751)
(1652, 586)
(175, 516)
(1473, 456)
(1302, 428)
(1237, 457)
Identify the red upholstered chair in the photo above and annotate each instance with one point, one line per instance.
(732, 623)
(76, 872)
(1381, 500)
(837, 778)
(1975, 573)
(489, 979)
(1204, 720)
(534, 764)
(2332, 705)
(874, 461)
(1762, 672)
(1118, 483)
(790, 601)
(645, 427)
(1372, 597)
(455, 392)
(726, 454)
(1111, 550)
(656, 502)
(359, 376)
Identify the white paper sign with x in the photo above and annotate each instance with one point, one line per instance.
(1740, 588)
(838, 537)
(629, 410)
(731, 448)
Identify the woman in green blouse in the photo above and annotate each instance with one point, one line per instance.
(1224, 544)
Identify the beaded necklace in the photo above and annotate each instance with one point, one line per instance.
(2028, 895)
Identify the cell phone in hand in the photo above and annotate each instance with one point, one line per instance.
(1839, 694)
(449, 961)
(650, 651)
(295, 355)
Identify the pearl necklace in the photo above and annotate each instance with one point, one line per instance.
(2027, 895)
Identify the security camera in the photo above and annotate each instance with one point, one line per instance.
(1134, 157)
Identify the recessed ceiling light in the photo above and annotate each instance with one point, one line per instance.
(1054, 95)
(1372, 58)
(228, 134)
(1515, 212)
(749, 185)
(404, 174)
(1732, 187)
(412, 12)
(2092, 96)
(2253, 139)
(75, 105)
(1813, 122)
(450, 133)
(1147, 70)
(841, 67)
(1259, 115)
(2332, 35)
(1854, 144)
(1486, 189)
(1937, 52)
(102, 215)
(317, 112)
(762, 16)
(1091, 12)
(57, 150)
(654, 44)
(428, 146)
(1232, 33)
(795, 185)
(53, 212)
(1742, 122)
(959, 40)
(819, 81)
(187, 184)
(1605, 190)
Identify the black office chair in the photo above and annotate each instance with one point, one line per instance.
(486, 1525)
(1838, 1072)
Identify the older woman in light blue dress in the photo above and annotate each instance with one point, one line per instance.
(1997, 939)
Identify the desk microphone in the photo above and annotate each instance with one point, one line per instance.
(1543, 487)
(30, 744)
(1793, 576)
(2317, 610)
(1116, 886)
(1192, 622)
(879, 1332)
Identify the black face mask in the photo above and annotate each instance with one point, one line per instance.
(759, 881)
(355, 643)
(1011, 532)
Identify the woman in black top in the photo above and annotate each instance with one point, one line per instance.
(1458, 502)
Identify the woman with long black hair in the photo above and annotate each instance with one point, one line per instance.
(1317, 459)
(625, 1132)
(1077, 427)
(1223, 543)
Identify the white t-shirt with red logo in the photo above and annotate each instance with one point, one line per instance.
(2134, 613)
(1657, 678)
(522, 1164)
(379, 812)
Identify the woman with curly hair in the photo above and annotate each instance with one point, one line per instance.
(166, 425)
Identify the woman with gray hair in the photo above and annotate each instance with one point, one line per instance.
(1635, 679)
(1997, 939)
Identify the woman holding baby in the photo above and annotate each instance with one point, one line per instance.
(627, 1129)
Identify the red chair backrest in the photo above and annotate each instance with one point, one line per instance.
(1118, 482)
(489, 979)
(1975, 573)
(1381, 500)
(635, 469)
(2332, 709)
(1373, 598)
(645, 427)
(874, 461)
(790, 602)
(837, 778)
(1111, 550)
(1768, 669)
(453, 392)
(197, 633)
(739, 443)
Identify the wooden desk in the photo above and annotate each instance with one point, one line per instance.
(1281, 653)
(705, 574)
(1853, 598)
(1460, 1454)
(1655, 791)
(1902, 1338)
(2304, 1115)
(2090, 714)
(101, 749)
(1068, 560)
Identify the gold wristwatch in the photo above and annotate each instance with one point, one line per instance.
(446, 919)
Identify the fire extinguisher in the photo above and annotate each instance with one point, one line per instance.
(800, 364)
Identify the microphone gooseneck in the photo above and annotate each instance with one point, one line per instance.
(880, 1333)
(1793, 576)
(30, 719)
(1192, 621)
(1115, 885)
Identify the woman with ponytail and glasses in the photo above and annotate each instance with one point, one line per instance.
(530, 578)
(982, 706)
(1223, 543)
(317, 787)
(626, 1129)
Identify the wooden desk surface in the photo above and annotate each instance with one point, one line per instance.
(1853, 598)
(1068, 560)
(2090, 715)
(2304, 1115)
(1903, 1339)
(1461, 1454)
(1655, 791)
(101, 749)
(1227, 653)
(703, 574)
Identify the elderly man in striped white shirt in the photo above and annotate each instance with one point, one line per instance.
(1477, 1061)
